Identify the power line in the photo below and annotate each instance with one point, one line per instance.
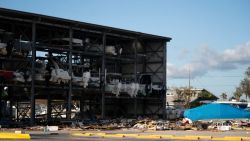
(222, 76)
(171, 78)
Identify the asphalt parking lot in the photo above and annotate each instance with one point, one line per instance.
(68, 137)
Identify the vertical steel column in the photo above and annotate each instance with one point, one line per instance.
(70, 73)
(144, 71)
(10, 110)
(1, 95)
(103, 74)
(32, 96)
(135, 61)
(49, 109)
(10, 94)
(82, 105)
(1, 107)
(17, 110)
(135, 74)
(164, 80)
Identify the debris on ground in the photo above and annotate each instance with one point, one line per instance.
(147, 124)
(152, 124)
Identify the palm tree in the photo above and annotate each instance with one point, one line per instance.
(247, 83)
(238, 93)
(245, 86)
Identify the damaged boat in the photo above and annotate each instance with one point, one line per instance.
(215, 111)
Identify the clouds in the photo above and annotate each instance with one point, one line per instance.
(238, 55)
(207, 59)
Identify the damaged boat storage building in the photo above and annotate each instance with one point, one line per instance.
(77, 70)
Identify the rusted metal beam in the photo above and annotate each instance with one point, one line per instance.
(66, 27)
(70, 73)
(103, 82)
(32, 96)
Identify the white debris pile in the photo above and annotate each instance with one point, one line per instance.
(110, 50)
(148, 124)
(83, 80)
(131, 88)
(140, 124)
(59, 75)
(19, 77)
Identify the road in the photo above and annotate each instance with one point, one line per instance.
(67, 137)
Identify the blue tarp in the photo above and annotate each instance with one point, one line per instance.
(216, 111)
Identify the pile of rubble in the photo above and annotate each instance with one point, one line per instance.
(150, 124)
(141, 124)
(222, 125)
(107, 124)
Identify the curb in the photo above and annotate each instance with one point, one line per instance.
(228, 139)
(156, 136)
(81, 134)
(148, 137)
(14, 136)
(245, 138)
(129, 135)
(185, 138)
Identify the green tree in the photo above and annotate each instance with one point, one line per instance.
(243, 100)
(185, 94)
(223, 96)
(245, 84)
(204, 95)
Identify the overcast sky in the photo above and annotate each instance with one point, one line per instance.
(210, 38)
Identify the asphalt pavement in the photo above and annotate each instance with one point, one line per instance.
(68, 137)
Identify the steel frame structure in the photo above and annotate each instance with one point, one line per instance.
(143, 53)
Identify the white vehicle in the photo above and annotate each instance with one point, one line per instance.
(131, 88)
(94, 80)
(113, 84)
(59, 75)
(19, 77)
(222, 126)
(111, 50)
(114, 87)
(144, 85)
(81, 81)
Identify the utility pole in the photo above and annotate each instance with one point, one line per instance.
(189, 79)
(189, 88)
